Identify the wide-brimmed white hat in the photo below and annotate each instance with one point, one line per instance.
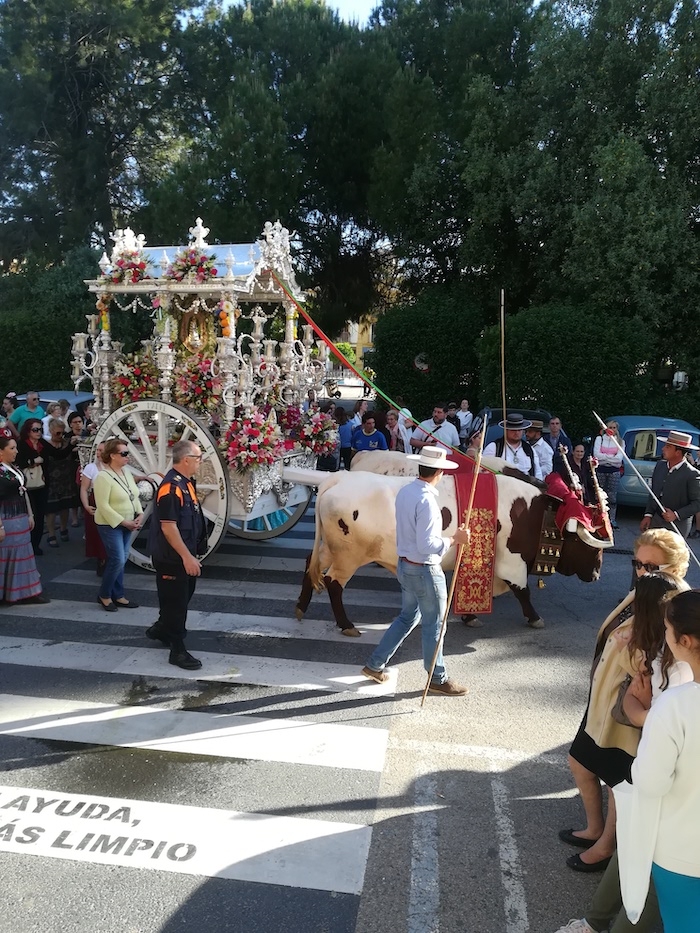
(435, 458)
(679, 439)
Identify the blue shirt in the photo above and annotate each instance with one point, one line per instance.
(22, 414)
(419, 524)
(345, 433)
(373, 441)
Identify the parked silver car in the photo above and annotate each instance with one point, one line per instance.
(640, 434)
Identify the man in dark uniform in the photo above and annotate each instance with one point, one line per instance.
(178, 534)
(676, 484)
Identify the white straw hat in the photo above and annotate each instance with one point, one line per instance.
(679, 439)
(435, 458)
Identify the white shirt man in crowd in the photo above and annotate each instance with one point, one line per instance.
(445, 434)
(540, 448)
(513, 449)
(466, 419)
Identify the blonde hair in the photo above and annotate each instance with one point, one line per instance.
(673, 546)
(609, 424)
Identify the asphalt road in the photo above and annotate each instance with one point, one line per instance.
(276, 789)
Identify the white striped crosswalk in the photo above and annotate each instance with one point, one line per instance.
(224, 668)
(243, 613)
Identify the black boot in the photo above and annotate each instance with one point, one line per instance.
(158, 633)
(180, 657)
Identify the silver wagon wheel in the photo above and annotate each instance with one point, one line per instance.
(271, 524)
(149, 427)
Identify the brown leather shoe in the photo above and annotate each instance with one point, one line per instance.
(380, 677)
(448, 689)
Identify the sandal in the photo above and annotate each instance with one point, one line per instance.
(64, 536)
(51, 541)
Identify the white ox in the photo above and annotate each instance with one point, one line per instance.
(356, 525)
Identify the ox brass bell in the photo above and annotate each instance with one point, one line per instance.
(541, 584)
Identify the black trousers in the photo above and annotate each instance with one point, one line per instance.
(175, 590)
(38, 497)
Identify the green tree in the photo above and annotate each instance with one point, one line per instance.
(84, 106)
(427, 351)
(282, 109)
(442, 179)
(347, 350)
(572, 360)
(48, 305)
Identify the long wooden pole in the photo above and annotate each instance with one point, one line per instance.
(503, 355)
(458, 560)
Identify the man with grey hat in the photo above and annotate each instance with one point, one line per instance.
(676, 484)
(544, 454)
(512, 448)
(420, 547)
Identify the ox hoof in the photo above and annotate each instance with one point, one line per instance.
(536, 623)
(351, 632)
(299, 614)
(472, 621)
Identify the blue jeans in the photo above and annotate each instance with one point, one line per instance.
(424, 600)
(116, 542)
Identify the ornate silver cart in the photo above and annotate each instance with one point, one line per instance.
(250, 366)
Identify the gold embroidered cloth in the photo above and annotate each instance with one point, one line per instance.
(474, 587)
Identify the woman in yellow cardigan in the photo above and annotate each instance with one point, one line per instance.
(604, 748)
(118, 514)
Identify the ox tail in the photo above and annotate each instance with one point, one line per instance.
(315, 570)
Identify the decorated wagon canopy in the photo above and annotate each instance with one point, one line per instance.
(197, 294)
(241, 269)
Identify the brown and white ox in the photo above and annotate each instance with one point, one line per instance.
(356, 525)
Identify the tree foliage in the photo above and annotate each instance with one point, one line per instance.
(561, 358)
(44, 307)
(85, 107)
(446, 152)
(439, 330)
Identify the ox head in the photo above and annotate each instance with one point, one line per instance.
(577, 557)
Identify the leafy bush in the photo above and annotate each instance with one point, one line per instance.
(42, 308)
(441, 328)
(348, 352)
(571, 361)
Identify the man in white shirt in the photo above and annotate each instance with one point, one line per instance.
(513, 449)
(445, 434)
(466, 419)
(544, 454)
(421, 547)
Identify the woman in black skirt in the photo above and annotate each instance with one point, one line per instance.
(604, 749)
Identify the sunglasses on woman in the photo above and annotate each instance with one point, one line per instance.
(650, 568)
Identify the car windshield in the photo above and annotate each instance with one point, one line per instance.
(645, 444)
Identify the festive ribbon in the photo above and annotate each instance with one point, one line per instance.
(346, 362)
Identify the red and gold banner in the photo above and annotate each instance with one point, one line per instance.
(474, 587)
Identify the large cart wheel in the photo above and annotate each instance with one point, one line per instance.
(272, 524)
(149, 428)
